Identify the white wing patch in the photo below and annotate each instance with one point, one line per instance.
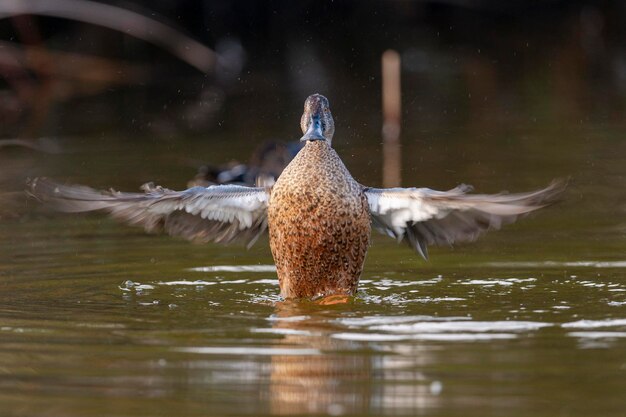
(399, 206)
(225, 203)
(422, 216)
(221, 213)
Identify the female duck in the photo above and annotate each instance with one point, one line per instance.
(317, 215)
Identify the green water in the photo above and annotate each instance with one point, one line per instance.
(99, 319)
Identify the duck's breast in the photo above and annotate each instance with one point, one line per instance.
(319, 225)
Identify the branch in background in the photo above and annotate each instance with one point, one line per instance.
(46, 145)
(128, 22)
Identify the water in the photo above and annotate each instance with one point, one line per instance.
(98, 319)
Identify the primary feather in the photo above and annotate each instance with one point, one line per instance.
(422, 217)
(221, 213)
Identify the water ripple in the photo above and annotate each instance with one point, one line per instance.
(257, 351)
(439, 337)
(234, 268)
(544, 264)
(594, 324)
(598, 335)
(463, 326)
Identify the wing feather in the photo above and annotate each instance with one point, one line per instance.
(221, 213)
(422, 217)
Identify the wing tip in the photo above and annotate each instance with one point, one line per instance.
(422, 249)
(555, 190)
(552, 194)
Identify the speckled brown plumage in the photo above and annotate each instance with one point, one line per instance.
(319, 225)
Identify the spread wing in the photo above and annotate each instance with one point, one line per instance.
(422, 217)
(222, 213)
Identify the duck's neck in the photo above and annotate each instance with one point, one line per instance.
(318, 143)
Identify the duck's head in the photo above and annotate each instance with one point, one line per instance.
(317, 121)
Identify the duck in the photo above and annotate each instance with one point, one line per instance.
(265, 165)
(318, 217)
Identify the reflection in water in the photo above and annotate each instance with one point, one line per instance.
(333, 383)
(340, 381)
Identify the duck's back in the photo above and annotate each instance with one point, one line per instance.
(319, 225)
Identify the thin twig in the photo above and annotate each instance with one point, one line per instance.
(122, 20)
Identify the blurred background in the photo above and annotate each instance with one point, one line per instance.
(168, 68)
(180, 79)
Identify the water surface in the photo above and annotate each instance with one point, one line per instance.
(98, 319)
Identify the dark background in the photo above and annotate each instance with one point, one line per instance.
(489, 64)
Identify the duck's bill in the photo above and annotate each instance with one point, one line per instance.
(314, 132)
